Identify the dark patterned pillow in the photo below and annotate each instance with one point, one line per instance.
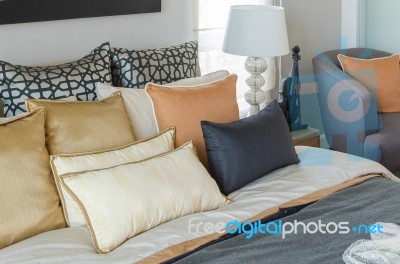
(77, 78)
(135, 68)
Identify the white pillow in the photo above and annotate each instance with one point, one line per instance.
(123, 201)
(206, 78)
(76, 163)
(138, 105)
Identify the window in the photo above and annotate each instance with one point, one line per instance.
(210, 18)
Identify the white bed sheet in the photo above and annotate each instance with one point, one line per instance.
(318, 169)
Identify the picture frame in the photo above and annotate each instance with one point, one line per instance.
(25, 11)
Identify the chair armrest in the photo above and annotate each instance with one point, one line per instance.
(348, 109)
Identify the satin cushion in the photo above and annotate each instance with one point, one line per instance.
(73, 127)
(138, 104)
(245, 150)
(76, 163)
(381, 76)
(125, 200)
(185, 106)
(29, 201)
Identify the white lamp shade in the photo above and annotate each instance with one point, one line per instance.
(256, 31)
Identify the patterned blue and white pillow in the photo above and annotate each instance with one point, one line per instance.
(77, 78)
(135, 68)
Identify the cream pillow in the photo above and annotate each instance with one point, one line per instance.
(77, 163)
(123, 201)
(201, 80)
(29, 203)
(138, 108)
(138, 104)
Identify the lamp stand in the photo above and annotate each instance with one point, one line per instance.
(255, 96)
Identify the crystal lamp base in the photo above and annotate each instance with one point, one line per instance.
(255, 96)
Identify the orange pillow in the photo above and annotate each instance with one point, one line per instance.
(380, 76)
(185, 106)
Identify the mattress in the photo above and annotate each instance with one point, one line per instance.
(319, 171)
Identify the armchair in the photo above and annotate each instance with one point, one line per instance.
(349, 111)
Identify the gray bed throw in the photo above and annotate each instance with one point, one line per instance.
(376, 200)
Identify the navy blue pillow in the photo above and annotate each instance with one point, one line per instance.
(245, 150)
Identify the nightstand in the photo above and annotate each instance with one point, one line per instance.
(306, 137)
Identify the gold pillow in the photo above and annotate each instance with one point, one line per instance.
(76, 163)
(185, 107)
(29, 201)
(123, 201)
(73, 127)
(381, 76)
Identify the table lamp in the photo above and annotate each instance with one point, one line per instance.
(256, 31)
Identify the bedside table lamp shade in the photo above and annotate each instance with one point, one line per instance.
(256, 31)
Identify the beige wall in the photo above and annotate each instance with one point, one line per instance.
(314, 25)
(55, 41)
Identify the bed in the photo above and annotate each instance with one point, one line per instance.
(326, 185)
